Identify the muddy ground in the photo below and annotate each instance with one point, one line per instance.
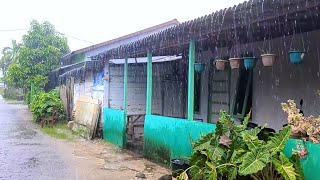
(27, 153)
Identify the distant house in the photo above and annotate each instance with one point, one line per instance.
(84, 76)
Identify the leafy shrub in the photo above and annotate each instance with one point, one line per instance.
(305, 127)
(234, 152)
(9, 93)
(42, 104)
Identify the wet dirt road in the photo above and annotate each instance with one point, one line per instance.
(24, 152)
(27, 153)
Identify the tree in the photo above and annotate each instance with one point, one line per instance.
(42, 47)
(8, 55)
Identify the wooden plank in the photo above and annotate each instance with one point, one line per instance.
(192, 52)
(86, 116)
(219, 92)
(220, 102)
(88, 99)
(106, 78)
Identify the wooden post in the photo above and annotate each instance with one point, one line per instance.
(106, 78)
(125, 85)
(191, 80)
(149, 84)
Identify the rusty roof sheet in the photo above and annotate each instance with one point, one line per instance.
(244, 14)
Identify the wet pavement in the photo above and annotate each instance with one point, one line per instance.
(25, 153)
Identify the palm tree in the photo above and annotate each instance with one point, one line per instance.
(8, 56)
(6, 59)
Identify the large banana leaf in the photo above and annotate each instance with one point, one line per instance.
(253, 132)
(202, 146)
(203, 142)
(233, 171)
(215, 153)
(251, 139)
(284, 167)
(237, 156)
(278, 141)
(198, 159)
(213, 174)
(254, 161)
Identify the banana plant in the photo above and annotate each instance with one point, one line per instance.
(234, 152)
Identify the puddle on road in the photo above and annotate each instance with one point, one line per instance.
(31, 163)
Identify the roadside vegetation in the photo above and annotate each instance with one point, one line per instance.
(46, 105)
(26, 66)
(235, 151)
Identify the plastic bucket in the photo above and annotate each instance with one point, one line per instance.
(235, 63)
(268, 59)
(220, 64)
(296, 57)
(249, 62)
(198, 67)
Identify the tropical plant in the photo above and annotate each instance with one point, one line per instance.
(9, 93)
(8, 56)
(42, 105)
(308, 128)
(235, 152)
(41, 49)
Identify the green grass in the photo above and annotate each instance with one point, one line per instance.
(60, 131)
(12, 101)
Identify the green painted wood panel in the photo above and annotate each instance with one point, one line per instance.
(167, 138)
(311, 164)
(192, 57)
(149, 83)
(125, 85)
(114, 128)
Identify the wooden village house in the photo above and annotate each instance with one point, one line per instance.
(176, 81)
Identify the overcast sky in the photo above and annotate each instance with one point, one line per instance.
(96, 21)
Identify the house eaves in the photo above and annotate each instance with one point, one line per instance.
(173, 22)
(246, 21)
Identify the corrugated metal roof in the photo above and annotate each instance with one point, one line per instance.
(150, 29)
(245, 14)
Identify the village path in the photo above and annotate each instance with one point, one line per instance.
(27, 153)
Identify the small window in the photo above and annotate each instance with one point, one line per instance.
(197, 92)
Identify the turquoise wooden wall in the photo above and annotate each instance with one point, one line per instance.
(167, 138)
(310, 164)
(114, 127)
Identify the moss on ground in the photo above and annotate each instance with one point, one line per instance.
(60, 131)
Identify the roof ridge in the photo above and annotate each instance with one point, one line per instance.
(171, 22)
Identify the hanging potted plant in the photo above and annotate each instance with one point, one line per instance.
(235, 63)
(198, 67)
(249, 62)
(296, 56)
(267, 57)
(235, 60)
(220, 64)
